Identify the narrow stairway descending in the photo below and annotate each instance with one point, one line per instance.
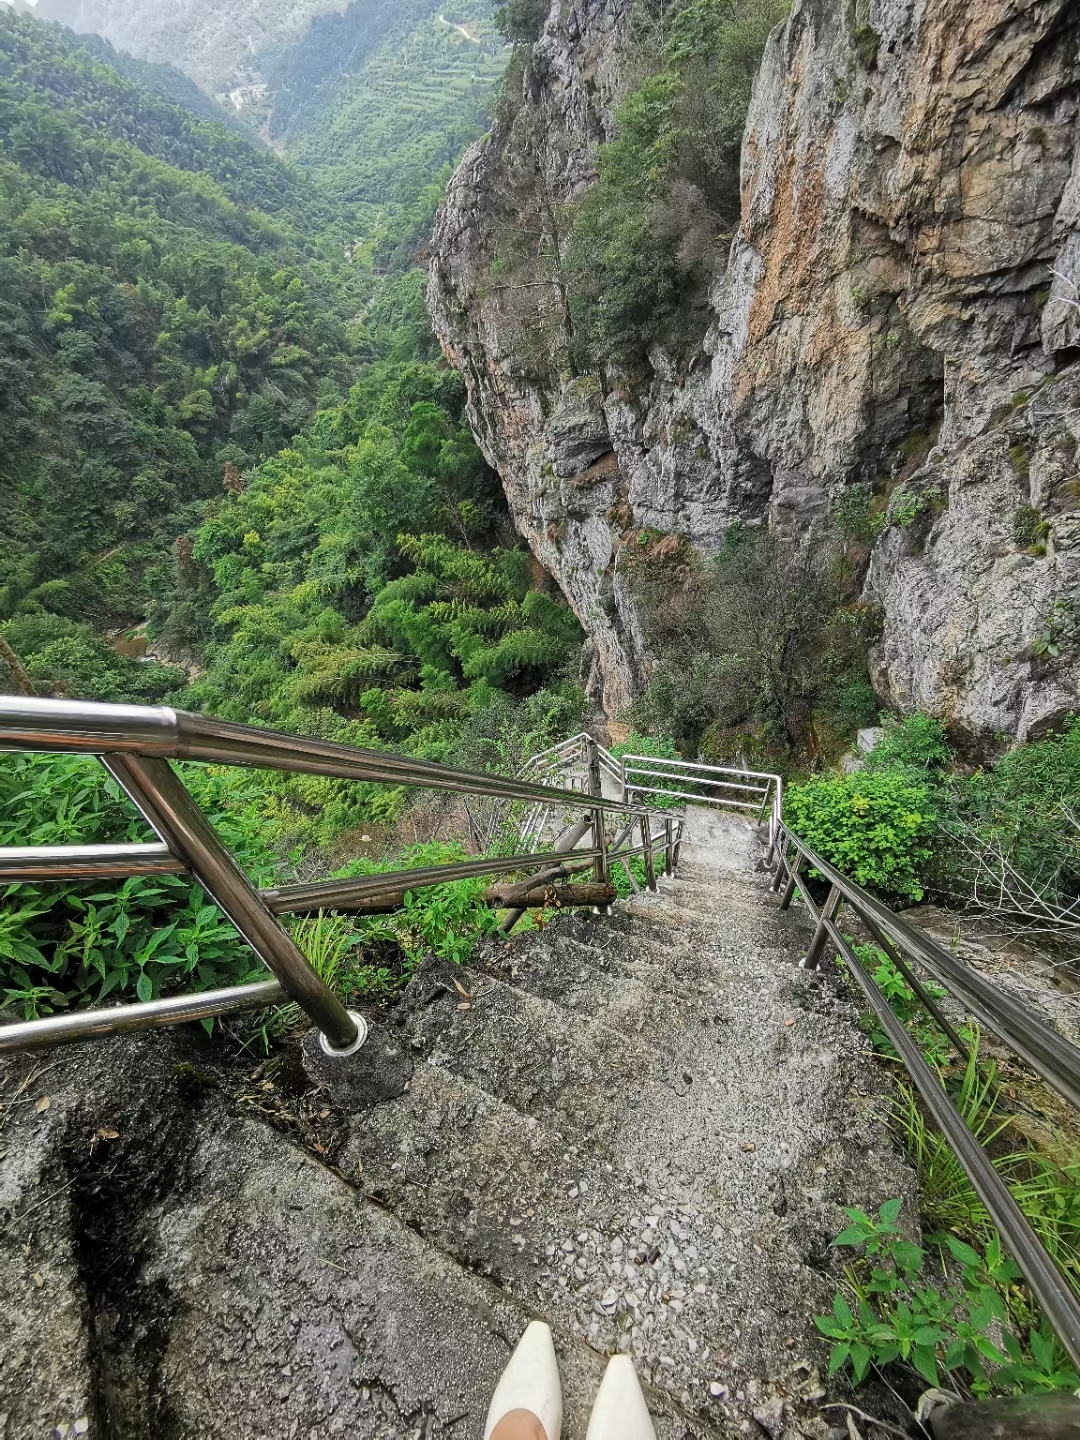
(642, 1127)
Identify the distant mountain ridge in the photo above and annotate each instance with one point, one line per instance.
(215, 44)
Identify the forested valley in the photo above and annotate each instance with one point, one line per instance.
(238, 476)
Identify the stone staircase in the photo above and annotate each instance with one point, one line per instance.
(640, 1126)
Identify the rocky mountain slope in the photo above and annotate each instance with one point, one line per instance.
(896, 309)
(214, 44)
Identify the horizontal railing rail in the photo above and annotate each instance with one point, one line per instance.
(136, 743)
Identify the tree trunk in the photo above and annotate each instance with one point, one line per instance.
(23, 683)
(1028, 1417)
(522, 897)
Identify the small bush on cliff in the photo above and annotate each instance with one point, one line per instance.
(650, 230)
(522, 20)
(752, 638)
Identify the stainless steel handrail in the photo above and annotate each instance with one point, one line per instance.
(1048, 1053)
(135, 744)
(88, 728)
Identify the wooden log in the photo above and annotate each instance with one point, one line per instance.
(1026, 1417)
(528, 896)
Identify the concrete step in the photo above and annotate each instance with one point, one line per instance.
(531, 1053)
(236, 1287)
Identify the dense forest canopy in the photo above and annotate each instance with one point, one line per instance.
(165, 310)
(224, 417)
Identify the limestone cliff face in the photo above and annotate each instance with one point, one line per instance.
(889, 313)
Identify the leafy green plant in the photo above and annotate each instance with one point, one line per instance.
(73, 943)
(874, 826)
(1029, 527)
(905, 1004)
(905, 507)
(1048, 1193)
(895, 1311)
(855, 516)
(521, 20)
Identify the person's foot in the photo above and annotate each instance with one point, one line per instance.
(527, 1404)
(620, 1412)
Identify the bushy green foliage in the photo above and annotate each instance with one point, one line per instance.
(70, 943)
(1013, 827)
(443, 920)
(875, 826)
(747, 641)
(522, 20)
(162, 312)
(667, 197)
(917, 742)
(980, 1330)
(65, 658)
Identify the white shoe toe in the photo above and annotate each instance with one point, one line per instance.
(530, 1382)
(620, 1412)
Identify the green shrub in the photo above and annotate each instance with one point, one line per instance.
(749, 638)
(74, 943)
(668, 190)
(854, 515)
(1012, 830)
(981, 1327)
(874, 826)
(68, 659)
(444, 920)
(916, 741)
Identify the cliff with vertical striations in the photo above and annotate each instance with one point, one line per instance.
(896, 309)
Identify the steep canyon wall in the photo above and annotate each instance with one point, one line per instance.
(889, 313)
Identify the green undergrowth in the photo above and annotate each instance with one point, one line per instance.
(915, 823)
(953, 1310)
(952, 1313)
(71, 943)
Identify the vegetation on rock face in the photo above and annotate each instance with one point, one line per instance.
(651, 231)
(750, 643)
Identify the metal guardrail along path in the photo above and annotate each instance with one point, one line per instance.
(136, 744)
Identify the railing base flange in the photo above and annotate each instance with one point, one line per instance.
(361, 1035)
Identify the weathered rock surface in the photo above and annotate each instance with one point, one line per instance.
(910, 182)
(641, 1127)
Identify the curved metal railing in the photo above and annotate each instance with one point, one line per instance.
(136, 743)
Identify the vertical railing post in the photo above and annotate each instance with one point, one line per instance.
(821, 935)
(781, 851)
(646, 841)
(160, 796)
(669, 847)
(592, 765)
(793, 867)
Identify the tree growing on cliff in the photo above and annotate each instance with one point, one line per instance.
(655, 225)
(522, 20)
(752, 641)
